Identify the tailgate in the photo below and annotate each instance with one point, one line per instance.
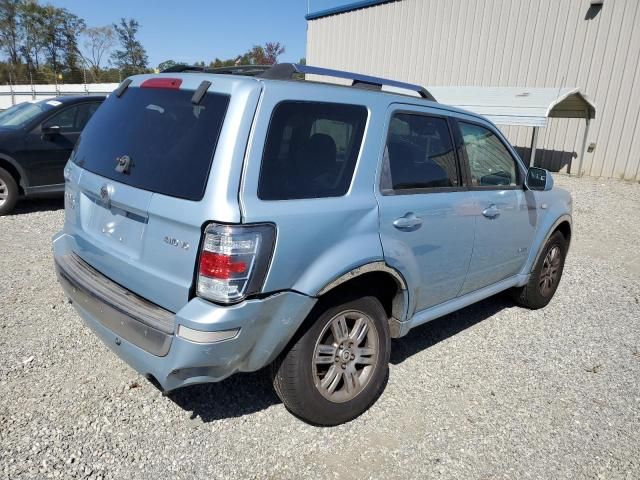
(138, 183)
(135, 241)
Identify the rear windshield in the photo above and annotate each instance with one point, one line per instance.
(168, 142)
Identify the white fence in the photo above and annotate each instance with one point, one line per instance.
(14, 94)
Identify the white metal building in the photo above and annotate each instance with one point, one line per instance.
(590, 44)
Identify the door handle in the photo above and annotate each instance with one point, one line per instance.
(410, 220)
(491, 212)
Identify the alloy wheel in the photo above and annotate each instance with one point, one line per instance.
(4, 192)
(550, 273)
(345, 356)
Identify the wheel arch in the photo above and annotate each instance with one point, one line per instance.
(377, 279)
(563, 224)
(18, 173)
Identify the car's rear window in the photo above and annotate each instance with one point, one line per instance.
(169, 141)
(311, 150)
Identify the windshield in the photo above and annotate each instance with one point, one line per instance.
(154, 139)
(20, 115)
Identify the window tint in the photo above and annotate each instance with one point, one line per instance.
(84, 113)
(170, 141)
(419, 154)
(311, 150)
(490, 162)
(64, 119)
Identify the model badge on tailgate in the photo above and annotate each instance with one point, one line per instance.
(176, 243)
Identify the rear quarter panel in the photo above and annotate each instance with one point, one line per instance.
(318, 240)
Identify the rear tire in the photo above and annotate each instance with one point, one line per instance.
(337, 368)
(8, 192)
(546, 275)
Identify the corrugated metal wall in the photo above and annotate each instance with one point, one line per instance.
(532, 43)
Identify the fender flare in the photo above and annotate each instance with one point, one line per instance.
(563, 218)
(400, 303)
(361, 270)
(24, 180)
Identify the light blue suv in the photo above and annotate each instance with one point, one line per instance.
(218, 223)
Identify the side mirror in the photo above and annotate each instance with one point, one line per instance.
(538, 179)
(50, 130)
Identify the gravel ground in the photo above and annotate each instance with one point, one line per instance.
(491, 392)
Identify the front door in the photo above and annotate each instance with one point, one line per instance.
(426, 213)
(505, 211)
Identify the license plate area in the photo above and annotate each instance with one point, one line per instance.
(117, 228)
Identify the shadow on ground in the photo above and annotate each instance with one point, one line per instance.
(239, 395)
(247, 393)
(431, 333)
(32, 205)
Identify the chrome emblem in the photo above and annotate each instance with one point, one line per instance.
(174, 242)
(105, 194)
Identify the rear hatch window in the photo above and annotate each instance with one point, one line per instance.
(164, 142)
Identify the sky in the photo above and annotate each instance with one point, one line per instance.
(190, 30)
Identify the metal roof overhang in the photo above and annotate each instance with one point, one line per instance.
(528, 107)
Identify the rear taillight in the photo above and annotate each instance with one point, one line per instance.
(234, 260)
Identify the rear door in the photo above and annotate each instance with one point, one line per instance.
(47, 154)
(426, 220)
(144, 194)
(506, 214)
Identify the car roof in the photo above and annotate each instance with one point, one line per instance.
(397, 92)
(69, 99)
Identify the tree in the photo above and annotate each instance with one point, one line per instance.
(9, 29)
(98, 42)
(267, 55)
(171, 63)
(257, 55)
(132, 58)
(32, 20)
(60, 30)
(272, 51)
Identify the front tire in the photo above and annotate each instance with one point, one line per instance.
(339, 366)
(8, 192)
(546, 275)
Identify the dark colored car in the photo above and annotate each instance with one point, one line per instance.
(36, 139)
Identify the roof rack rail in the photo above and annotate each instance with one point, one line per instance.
(287, 71)
(248, 70)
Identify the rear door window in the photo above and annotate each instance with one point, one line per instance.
(311, 150)
(73, 119)
(170, 142)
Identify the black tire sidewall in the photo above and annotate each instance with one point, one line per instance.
(557, 239)
(13, 191)
(323, 411)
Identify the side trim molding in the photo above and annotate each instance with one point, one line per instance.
(367, 268)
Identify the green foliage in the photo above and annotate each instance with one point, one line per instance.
(132, 57)
(98, 42)
(257, 55)
(41, 44)
(168, 64)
